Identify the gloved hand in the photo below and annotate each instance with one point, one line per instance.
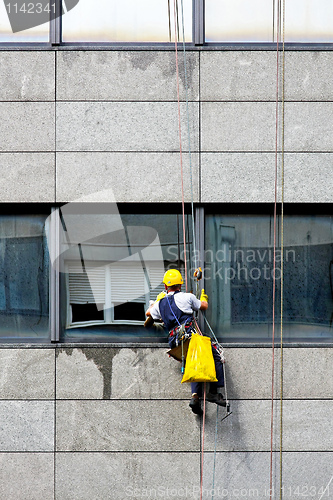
(160, 296)
(203, 296)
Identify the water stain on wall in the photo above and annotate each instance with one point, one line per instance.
(103, 358)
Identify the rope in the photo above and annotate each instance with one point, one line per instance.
(274, 247)
(189, 138)
(282, 247)
(203, 440)
(281, 242)
(215, 446)
(180, 142)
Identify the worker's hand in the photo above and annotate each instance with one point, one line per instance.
(203, 296)
(160, 296)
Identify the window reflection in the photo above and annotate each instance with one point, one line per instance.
(24, 277)
(239, 277)
(307, 21)
(111, 267)
(125, 21)
(37, 34)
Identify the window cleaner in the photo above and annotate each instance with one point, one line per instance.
(176, 309)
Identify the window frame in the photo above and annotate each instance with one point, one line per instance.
(198, 39)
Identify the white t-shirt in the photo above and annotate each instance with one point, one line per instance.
(186, 302)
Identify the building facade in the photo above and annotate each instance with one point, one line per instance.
(91, 188)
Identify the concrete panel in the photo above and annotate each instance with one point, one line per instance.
(26, 126)
(235, 126)
(76, 366)
(238, 76)
(309, 76)
(308, 178)
(150, 373)
(115, 476)
(27, 177)
(126, 126)
(308, 373)
(119, 374)
(237, 177)
(249, 373)
(26, 476)
(135, 425)
(249, 177)
(27, 373)
(247, 475)
(125, 76)
(26, 425)
(306, 426)
(308, 126)
(92, 174)
(27, 76)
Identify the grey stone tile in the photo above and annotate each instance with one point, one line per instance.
(136, 425)
(307, 373)
(238, 76)
(27, 177)
(149, 374)
(27, 126)
(308, 178)
(249, 373)
(306, 426)
(124, 126)
(95, 174)
(27, 476)
(92, 476)
(237, 177)
(247, 475)
(27, 76)
(27, 373)
(249, 177)
(27, 425)
(125, 75)
(238, 126)
(308, 126)
(308, 76)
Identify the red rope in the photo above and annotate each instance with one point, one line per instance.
(180, 143)
(274, 245)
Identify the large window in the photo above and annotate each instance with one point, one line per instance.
(306, 21)
(24, 278)
(153, 21)
(111, 267)
(239, 266)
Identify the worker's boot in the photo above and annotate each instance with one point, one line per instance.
(195, 404)
(216, 398)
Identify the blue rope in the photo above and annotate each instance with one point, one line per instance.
(215, 445)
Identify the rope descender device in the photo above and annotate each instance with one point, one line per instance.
(198, 274)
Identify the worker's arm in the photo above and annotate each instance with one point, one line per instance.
(203, 300)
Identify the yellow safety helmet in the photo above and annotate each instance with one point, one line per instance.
(172, 278)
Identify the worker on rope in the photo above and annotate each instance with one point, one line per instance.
(176, 309)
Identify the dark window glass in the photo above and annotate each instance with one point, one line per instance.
(24, 277)
(239, 271)
(112, 266)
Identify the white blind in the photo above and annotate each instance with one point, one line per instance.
(88, 287)
(127, 282)
(155, 276)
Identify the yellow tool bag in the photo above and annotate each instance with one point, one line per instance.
(200, 366)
